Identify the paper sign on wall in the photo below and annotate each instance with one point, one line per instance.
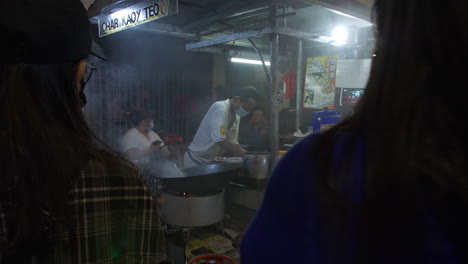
(351, 79)
(353, 73)
(320, 82)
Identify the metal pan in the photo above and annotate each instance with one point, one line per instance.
(201, 180)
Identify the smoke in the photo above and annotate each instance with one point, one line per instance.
(156, 168)
(147, 71)
(164, 168)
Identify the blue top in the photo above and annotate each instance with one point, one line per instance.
(287, 227)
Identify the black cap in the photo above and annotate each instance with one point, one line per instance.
(44, 31)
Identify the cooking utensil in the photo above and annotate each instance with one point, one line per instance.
(200, 180)
(234, 160)
(192, 211)
(257, 164)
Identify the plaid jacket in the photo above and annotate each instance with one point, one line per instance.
(114, 221)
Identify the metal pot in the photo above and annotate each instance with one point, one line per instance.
(257, 164)
(192, 210)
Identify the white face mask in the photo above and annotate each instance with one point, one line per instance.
(241, 112)
(151, 126)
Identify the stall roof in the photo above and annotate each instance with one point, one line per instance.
(216, 24)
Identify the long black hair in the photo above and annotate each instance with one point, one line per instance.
(410, 122)
(45, 143)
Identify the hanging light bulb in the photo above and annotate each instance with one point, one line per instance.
(339, 36)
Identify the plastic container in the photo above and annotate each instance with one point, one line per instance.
(281, 153)
(322, 120)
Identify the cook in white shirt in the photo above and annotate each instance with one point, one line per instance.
(217, 134)
(138, 143)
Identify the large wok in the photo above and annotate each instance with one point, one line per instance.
(200, 180)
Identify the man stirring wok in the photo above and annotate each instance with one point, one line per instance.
(217, 134)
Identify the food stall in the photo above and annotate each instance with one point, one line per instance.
(167, 55)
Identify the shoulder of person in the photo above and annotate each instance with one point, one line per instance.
(130, 132)
(152, 133)
(108, 176)
(304, 150)
(298, 150)
(219, 105)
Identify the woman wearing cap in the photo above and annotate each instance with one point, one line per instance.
(141, 141)
(64, 197)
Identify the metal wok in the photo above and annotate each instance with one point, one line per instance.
(201, 180)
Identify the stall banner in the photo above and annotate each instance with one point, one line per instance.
(320, 82)
(135, 15)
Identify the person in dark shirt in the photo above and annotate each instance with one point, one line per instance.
(389, 184)
(256, 134)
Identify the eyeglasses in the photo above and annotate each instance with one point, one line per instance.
(88, 72)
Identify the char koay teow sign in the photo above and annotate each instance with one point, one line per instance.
(136, 15)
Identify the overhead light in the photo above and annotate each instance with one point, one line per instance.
(339, 36)
(325, 39)
(256, 62)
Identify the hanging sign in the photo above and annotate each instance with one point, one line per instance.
(138, 14)
(320, 82)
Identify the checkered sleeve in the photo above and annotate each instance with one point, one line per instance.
(113, 219)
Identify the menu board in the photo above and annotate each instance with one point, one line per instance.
(320, 82)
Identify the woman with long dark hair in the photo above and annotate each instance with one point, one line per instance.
(64, 198)
(389, 184)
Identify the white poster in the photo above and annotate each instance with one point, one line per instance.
(353, 73)
(320, 81)
(351, 79)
